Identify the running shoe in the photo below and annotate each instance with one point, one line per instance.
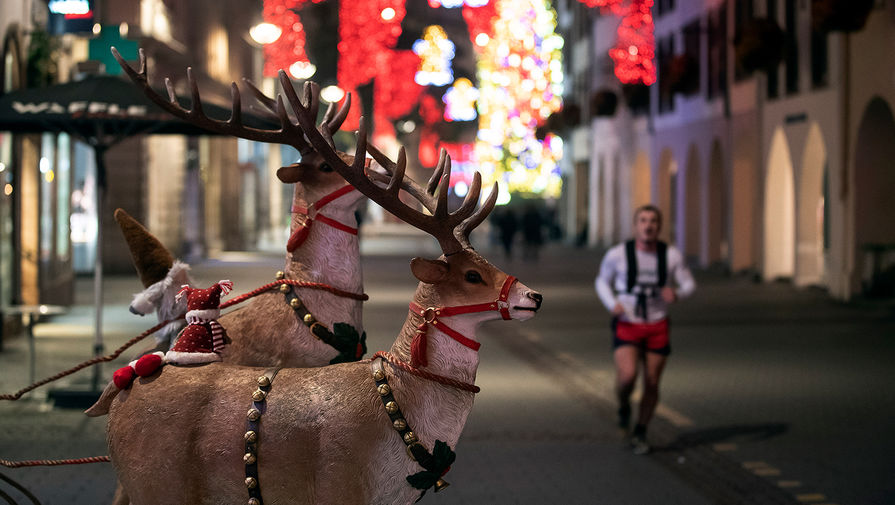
(639, 446)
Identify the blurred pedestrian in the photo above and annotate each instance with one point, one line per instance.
(505, 220)
(532, 232)
(635, 285)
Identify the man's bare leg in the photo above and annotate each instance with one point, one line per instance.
(652, 372)
(627, 359)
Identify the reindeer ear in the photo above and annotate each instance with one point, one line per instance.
(290, 174)
(429, 271)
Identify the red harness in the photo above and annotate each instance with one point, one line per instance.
(311, 213)
(430, 316)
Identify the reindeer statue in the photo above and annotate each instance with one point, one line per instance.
(302, 326)
(335, 434)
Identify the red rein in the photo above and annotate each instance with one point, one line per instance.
(430, 316)
(311, 213)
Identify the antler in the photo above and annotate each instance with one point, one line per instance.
(289, 133)
(450, 229)
(332, 119)
(425, 196)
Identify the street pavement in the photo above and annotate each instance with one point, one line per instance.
(772, 395)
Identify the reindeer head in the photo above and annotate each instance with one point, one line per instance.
(466, 278)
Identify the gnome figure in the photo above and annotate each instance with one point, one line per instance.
(161, 276)
(203, 338)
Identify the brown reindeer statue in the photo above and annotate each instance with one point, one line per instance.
(300, 325)
(374, 432)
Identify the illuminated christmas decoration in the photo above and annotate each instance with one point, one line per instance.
(480, 23)
(459, 101)
(610, 5)
(365, 37)
(463, 165)
(428, 150)
(364, 40)
(430, 111)
(436, 52)
(635, 47)
(634, 51)
(520, 84)
(396, 93)
(289, 48)
(452, 4)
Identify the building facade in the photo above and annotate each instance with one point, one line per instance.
(766, 141)
(199, 195)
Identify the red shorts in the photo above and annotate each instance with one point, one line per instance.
(652, 337)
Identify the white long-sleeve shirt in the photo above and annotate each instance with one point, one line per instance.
(612, 282)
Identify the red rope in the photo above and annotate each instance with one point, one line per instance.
(292, 282)
(447, 381)
(90, 362)
(150, 331)
(54, 462)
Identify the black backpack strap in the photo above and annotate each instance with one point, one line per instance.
(631, 256)
(662, 259)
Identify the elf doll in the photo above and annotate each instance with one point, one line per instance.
(200, 342)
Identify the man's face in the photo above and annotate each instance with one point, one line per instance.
(647, 226)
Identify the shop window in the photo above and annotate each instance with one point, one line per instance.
(773, 72)
(692, 36)
(63, 196)
(742, 15)
(819, 59)
(47, 174)
(792, 48)
(717, 60)
(7, 250)
(83, 209)
(664, 54)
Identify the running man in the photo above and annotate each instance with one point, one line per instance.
(635, 285)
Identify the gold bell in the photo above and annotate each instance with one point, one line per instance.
(281, 275)
(379, 375)
(254, 501)
(308, 319)
(391, 407)
(253, 414)
(400, 424)
(440, 484)
(264, 381)
(251, 483)
(251, 437)
(285, 288)
(384, 390)
(410, 437)
(295, 303)
(259, 395)
(410, 452)
(249, 458)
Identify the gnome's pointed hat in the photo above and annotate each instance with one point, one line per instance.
(150, 257)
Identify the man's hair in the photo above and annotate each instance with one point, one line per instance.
(648, 208)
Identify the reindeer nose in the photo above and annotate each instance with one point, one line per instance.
(537, 299)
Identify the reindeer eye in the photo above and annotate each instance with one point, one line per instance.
(474, 277)
(324, 167)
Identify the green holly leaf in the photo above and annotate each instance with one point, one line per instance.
(423, 480)
(442, 456)
(346, 340)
